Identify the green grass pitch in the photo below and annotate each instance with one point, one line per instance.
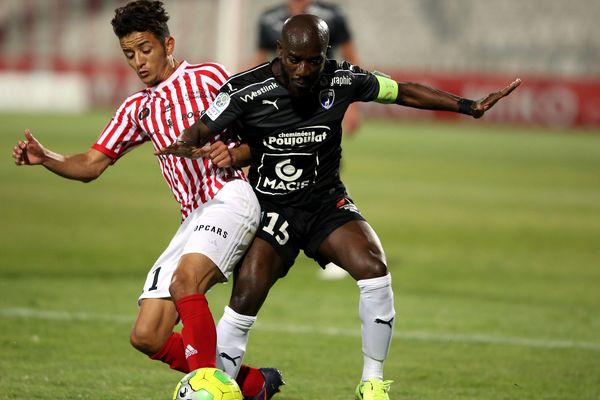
(492, 235)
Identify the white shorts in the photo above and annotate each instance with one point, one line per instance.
(221, 229)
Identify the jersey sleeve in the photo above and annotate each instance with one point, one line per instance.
(224, 111)
(365, 84)
(120, 135)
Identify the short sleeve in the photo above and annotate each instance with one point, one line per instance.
(223, 111)
(365, 84)
(121, 134)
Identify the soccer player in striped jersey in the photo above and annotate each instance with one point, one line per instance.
(289, 115)
(219, 210)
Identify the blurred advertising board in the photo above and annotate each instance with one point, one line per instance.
(540, 100)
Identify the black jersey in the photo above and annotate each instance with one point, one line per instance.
(295, 142)
(271, 22)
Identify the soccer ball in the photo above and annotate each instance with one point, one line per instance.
(207, 384)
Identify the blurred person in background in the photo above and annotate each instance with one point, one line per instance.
(340, 41)
(271, 21)
(288, 114)
(219, 210)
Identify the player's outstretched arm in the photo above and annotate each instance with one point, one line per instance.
(420, 96)
(484, 104)
(83, 167)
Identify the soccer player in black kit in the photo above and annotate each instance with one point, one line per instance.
(288, 113)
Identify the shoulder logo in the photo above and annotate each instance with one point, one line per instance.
(222, 100)
(218, 106)
(326, 98)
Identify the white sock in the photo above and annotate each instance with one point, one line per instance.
(376, 310)
(232, 336)
(372, 368)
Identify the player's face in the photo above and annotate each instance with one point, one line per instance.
(301, 67)
(148, 57)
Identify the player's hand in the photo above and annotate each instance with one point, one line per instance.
(219, 154)
(183, 149)
(482, 105)
(28, 151)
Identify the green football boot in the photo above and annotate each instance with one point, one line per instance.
(373, 389)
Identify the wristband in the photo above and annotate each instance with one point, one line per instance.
(465, 106)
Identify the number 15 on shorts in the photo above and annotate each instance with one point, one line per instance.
(280, 233)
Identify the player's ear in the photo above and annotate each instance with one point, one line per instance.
(279, 49)
(169, 45)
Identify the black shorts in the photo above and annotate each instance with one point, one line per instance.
(291, 229)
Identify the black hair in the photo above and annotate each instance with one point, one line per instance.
(141, 16)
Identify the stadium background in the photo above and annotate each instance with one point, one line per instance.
(467, 46)
(490, 227)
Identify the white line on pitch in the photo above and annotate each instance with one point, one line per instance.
(309, 329)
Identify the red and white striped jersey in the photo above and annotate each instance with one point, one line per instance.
(159, 114)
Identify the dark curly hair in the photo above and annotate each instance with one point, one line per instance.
(141, 16)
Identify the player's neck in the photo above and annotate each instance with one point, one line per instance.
(171, 68)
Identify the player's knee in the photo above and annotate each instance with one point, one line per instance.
(176, 289)
(182, 283)
(144, 340)
(379, 269)
(370, 265)
(249, 294)
(245, 302)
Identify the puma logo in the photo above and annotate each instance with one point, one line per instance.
(273, 103)
(384, 322)
(228, 357)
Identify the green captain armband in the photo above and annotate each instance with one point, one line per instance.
(388, 89)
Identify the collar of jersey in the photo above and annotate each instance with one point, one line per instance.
(182, 66)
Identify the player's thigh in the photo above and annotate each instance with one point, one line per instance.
(196, 273)
(226, 226)
(278, 230)
(220, 229)
(355, 247)
(154, 324)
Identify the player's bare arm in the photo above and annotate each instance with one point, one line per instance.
(83, 167)
(424, 97)
(223, 156)
(241, 156)
(190, 144)
(484, 104)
